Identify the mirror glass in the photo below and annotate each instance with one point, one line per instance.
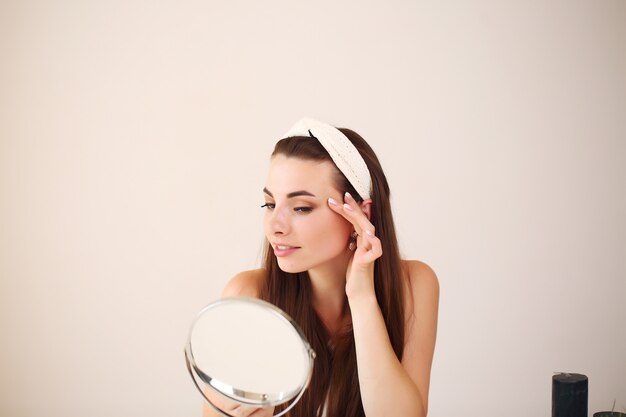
(249, 351)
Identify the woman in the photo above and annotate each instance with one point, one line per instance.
(332, 263)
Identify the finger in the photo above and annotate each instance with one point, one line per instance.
(373, 252)
(245, 411)
(263, 412)
(346, 212)
(375, 243)
(352, 212)
(356, 214)
(362, 242)
(370, 242)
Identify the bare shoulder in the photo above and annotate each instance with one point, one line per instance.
(422, 305)
(245, 284)
(421, 278)
(421, 297)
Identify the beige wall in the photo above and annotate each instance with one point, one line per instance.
(134, 138)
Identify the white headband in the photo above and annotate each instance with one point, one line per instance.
(343, 153)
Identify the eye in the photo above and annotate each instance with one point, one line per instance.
(269, 206)
(303, 210)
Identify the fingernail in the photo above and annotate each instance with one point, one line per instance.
(332, 202)
(347, 207)
(348, 195)
(369, 233)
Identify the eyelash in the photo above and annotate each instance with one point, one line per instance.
(302, 210)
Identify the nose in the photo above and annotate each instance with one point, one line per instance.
(277, 222)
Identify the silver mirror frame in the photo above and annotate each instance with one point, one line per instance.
(254, 399)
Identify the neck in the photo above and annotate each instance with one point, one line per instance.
(328, 284)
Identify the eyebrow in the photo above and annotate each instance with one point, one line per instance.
(291, 194)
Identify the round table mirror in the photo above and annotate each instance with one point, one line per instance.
(250, 352)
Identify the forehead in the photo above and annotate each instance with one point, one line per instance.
(287, 174)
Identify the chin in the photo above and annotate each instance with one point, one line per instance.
(291, 269)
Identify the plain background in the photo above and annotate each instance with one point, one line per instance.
(134, 142)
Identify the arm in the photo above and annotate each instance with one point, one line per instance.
(388, 386)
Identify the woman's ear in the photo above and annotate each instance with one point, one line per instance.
(366, 207)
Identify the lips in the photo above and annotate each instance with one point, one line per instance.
(284, 247)
(284, 250)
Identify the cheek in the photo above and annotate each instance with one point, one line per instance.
(266, 222)
(332, 231)
(266, 229)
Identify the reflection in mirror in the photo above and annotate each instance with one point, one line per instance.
(249, 352)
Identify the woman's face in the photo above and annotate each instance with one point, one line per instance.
(302, 230)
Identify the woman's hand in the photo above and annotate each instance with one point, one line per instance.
(231, 407)
(360, 272)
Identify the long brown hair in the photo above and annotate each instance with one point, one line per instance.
(335, 370)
